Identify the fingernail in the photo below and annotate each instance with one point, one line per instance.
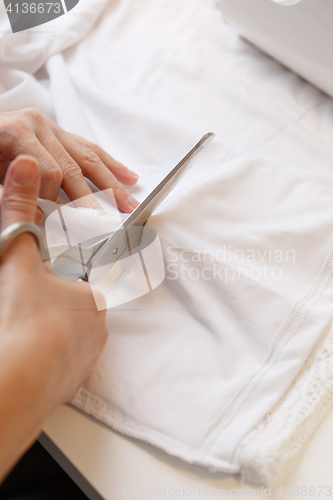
(39, 217)
(25, 171)
(132, 174)
(132, 202)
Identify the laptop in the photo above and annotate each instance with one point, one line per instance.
(298, 33)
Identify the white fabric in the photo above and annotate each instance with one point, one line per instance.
(196, 365)
(293, 419)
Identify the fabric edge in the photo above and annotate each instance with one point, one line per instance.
(99, 409)
(291, 422)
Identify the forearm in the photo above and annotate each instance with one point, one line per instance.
(50, 330)
(25, 399)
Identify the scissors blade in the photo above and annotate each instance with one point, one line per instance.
(146, 208)
(78, 261)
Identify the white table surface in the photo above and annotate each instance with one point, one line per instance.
(108, 465)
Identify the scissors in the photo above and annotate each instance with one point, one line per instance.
(77, 262)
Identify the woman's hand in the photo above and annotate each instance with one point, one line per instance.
(51, 333)
(64, 159)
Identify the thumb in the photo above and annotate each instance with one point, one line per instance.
(20, 191)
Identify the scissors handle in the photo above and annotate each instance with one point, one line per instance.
(24, 227)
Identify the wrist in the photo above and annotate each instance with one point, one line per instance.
(31, 368)
(23, 405)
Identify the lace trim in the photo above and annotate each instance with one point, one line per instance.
(284, 430)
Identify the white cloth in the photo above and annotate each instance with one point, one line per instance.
(196, 365)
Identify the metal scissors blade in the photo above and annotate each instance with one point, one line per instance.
(142, 213)
(108, 250)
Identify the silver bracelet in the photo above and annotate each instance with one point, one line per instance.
(24, 227)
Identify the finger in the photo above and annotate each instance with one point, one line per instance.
(97, 171)
(1, 193)
(3, 165)
(19, 201)
(51, 173)
(122, 173)
(73, 181)
(39, 216)
(20, 191)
